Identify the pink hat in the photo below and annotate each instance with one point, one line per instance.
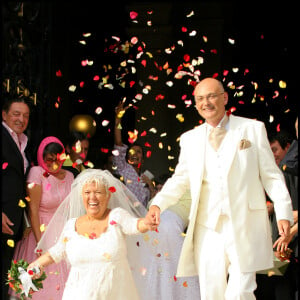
(45, 142)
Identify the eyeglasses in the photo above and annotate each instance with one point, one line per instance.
(208, 97)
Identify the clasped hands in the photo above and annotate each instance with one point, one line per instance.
(153, 217)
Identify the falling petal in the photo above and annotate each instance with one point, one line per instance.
(231, 41)
(282, 84)
(134, 40)
(105, 123)
(72, 88)
(42, 227)
(190, 14)
(11, 243)
(21, 203)
(278, 128)
(87, 34)
(58, 73)
(276, 94)
(153, 130)
(98, 110)
(133, 15)
(143, 271)
(30, 185)
(180, 118)
(4, 165)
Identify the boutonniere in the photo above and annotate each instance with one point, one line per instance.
(244, 144)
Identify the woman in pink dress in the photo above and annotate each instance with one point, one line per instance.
(47, 186)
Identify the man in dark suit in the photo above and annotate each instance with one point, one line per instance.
(15, 118)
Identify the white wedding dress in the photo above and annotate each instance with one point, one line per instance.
(99, 267)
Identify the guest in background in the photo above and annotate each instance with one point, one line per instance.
(47, 185)
(129, 163)
(283, 287)
(15, 164)
(77, 147)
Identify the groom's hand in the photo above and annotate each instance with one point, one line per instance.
(153, 216)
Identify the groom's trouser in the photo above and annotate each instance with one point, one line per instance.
(216, 258)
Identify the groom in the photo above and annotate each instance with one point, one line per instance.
(229, 231)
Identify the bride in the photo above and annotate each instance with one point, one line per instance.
(88, 231)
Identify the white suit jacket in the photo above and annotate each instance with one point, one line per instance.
(250, 172)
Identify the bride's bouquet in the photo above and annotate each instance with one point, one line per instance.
(21, 280)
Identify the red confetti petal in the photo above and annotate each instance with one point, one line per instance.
(92, 236)
(112, 189)
(186, 57)
(58, 73)
(278, 128)
(4, 165)
(133, 15)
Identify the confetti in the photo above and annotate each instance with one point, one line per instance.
(21, 203)
(42, 227)
(11, 243)
(282, 84)
(133, 15)
(112, 189)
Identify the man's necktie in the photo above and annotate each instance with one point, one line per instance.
(217, 134)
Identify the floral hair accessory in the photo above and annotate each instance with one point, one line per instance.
(20, 280)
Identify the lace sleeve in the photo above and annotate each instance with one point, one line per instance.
(125, 220)
(58, 251)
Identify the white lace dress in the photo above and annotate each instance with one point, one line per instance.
(99, 267)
